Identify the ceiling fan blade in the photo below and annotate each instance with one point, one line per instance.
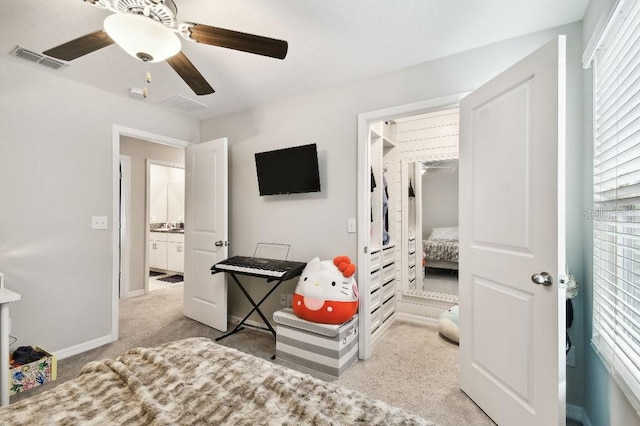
(80, 46)
(239, 41)
(185, 69)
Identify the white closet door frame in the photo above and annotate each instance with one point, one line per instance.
(365, 120)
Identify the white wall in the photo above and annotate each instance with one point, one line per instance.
(316, 224)
(55, 173)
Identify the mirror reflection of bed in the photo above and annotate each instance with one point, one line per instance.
(439, 202)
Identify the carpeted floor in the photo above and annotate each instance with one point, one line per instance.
(410, 367)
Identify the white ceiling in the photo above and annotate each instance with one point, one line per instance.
(331, 42)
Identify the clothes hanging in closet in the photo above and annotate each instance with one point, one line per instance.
(373, 185)
(385, 211)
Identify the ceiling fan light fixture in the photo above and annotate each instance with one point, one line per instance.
(142, 37)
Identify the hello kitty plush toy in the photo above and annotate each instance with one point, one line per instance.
(327, 291)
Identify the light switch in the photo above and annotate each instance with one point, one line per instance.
(99, 222)
(351, 225)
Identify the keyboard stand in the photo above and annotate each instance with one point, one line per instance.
(256, 306)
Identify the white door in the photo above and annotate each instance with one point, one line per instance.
(206, 232)
(512, 132)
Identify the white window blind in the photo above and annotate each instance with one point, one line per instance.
(616, 187)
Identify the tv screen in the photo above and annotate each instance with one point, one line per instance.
(288, 171)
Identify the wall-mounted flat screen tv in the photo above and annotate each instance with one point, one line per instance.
(288, 171)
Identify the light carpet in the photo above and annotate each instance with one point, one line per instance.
(198, 382)
(411, 366)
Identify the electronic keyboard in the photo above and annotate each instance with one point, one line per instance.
(260, 267)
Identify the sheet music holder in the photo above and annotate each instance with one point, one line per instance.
(277, 270)
(272, 251)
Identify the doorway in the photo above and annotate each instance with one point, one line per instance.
(135, 280)
(409, 301)
(154, 231)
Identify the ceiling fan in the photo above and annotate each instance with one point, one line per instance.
(147, 30)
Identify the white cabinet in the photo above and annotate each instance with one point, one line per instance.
(166, 251)
(175, 253)
(158, 250)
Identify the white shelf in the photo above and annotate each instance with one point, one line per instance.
(7, 296)
(382, 278)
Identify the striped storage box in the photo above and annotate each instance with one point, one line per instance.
(327, 348)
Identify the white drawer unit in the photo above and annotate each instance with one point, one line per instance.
(376, 320)
(374, 281)
(158, 236)
(388, 273)
(174, 237)
(388, 308)
(388, 290)
(388, 255)
(374, 261)
(375, 300)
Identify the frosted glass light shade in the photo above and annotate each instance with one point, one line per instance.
(142, 37)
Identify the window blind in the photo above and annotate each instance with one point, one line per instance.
(616, 193)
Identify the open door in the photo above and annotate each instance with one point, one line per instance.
(206, 232)
(512, 244)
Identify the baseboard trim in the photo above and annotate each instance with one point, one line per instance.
(416, 319)
(576, 412)
(83, 347)
(135, 293)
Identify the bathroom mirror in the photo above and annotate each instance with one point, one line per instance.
(430, 228)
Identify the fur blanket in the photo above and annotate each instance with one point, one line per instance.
(198, 382)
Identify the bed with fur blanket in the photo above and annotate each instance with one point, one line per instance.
(199, 382)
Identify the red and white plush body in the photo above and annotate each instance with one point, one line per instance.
(324, 294)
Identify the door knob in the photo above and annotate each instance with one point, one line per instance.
(543, 278)
(219, 243)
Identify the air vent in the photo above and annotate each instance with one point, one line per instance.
(31, 56)
(183, 103)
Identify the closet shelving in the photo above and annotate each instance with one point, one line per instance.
(383, 231)
(414, 228)
(412, 263)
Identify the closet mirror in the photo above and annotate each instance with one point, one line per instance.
(430, 228)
